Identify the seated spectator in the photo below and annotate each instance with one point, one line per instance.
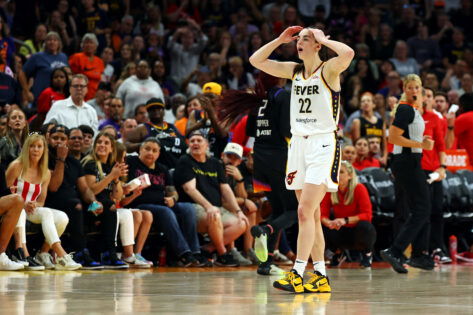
(346, 217)
(75, 143)
(141, 114)
(58, 90)
(175, 219)
(393, 87)
(16, 133)
(363, 158)
(102, 174)
(10, 209)
(3, 126)
(74, 111)
(29, 177)
(88, 133)
(232, 157)
(171, 140)
(67, 189)
(362, 81)
(127, 71)
(101, 99)
(128, 125)
(107, 57)
(159, 74)
(40, 65)
(374, 145)
(424, 49)
(177, 100)
(115, 109)
(35, 44)
(88, 64)
(125, 58)
(10, 92)
(138, 89)
(192, 104)
(348, 153)
(466, 85)
(207, 122)
(201, 180)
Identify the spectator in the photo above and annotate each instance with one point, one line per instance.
(454, 51)
(66, 190)
(10, 210)
(125, 58)
(361, 81)
(16, 133)
(363, 158)
(171, 140)
(102, 174)
(74, 111)
(40, 65)
(127, 71)
(431, 80)
(466, 84)
(451, 80)
(107, 57)
(138, 89)
(88, 134)
(232, 157)
(185, 47)
(7, 46)
(31, 169)
(160, 75)
(141, 114)
(424, 49)
(238, 78)
(201, 180)
(383, 47)
(192, 104)
(128, 125)
(351, 210)
(34, 45)
(401, 60)
(3, 126)
(10, 92)
(101, 101)
(58, 90)
(94, 20)
(87, 63)
(70, 23)
(75, 143)
(161, 199)
(461, 127)
(116, 115)
(393, 87)
(349, 153)
(57, 24)
(374, 145)
(441, 103)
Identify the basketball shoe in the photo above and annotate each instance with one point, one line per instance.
(292, 282)
(318, 283)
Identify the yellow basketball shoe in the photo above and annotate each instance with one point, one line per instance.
(292, 282)
(318, 283)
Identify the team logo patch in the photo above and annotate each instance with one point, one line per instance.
(290, 177)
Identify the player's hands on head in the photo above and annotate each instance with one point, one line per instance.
(288, 35)
(319, 35)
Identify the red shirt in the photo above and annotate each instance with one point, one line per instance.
(464, 132)
(365, 163)
(92, 69)
(434, 128)
(47, 98)
(361, 205)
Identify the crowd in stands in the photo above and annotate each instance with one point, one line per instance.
(96, 93)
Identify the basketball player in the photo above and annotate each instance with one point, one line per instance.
(314, 155)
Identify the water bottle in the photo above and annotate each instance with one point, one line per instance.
(453, 248)
(162, 257)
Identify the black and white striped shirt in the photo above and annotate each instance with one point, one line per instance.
(410, 120)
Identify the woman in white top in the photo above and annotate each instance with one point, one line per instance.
(314, 155)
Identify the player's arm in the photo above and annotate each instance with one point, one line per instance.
(260, 60)
(340, 63)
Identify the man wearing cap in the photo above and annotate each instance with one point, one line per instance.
(74, 111)
(88, 64)
(172, 142)
(139, 88)
(232, 157)
(201, 180)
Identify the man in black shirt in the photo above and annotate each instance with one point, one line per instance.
(161, 199)
(201, 180)
(67, 180)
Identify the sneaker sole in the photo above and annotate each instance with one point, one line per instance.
(13, 269)
(62, 268)
(116, 267)
(261, 248)
(276, 286)
(38, 268)
(139, 266)
(92, 268)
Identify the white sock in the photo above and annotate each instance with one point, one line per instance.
(299, 266)
(320, 267)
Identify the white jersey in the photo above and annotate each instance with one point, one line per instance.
(315, 106)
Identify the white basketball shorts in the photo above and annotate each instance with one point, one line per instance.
(315, 160)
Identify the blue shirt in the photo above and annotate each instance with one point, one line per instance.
(40, 67)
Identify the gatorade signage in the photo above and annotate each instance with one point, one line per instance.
(457, 160)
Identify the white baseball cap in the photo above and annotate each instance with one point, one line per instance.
(234, 148)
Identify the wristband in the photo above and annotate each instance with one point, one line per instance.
(61, 160)
(346, 220)
(240, 181)
(443, 166)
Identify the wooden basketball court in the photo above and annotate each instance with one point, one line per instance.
(446, 290)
